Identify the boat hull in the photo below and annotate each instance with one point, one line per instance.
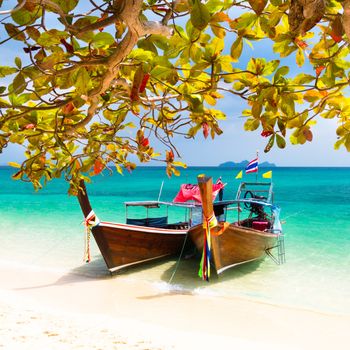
(234, 245)
(122, 245)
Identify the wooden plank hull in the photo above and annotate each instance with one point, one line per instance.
(235, 245)
(122, 245)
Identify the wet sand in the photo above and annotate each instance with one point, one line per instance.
(47, 309)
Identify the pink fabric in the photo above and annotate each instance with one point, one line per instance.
(191, 192)
(260, 225)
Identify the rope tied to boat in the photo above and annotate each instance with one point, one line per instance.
(204, 268)
(90, 221)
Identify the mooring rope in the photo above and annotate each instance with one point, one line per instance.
(178, 260)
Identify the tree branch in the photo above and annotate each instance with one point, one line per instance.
(17, 8)
(130, 15)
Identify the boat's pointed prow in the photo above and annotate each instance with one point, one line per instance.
(84, 199)
(205, 184)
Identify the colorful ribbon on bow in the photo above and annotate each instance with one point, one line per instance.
(90, 221)
(204, 268)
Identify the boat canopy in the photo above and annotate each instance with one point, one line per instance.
(157, 204)
(260, 191)
(190, 192)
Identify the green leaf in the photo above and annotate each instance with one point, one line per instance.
(2, 89)
(4, 70)
(141, 55)
(300, 59)
(245, 21)
(52, 37)
(82, 81)
(18, 99)
(215, 5)
(200, 15)
(19, 83)
(256, 109)
(270, 144)
(267, 27)
(270, 67)
(251, 124)
(284, 70)
(66, 5)
(147, 45)
(288, 105)
(281, 142)
(236, 49)
(18, 62)
(102, 40)
(26, 17)
(161, 72)
(303, 78)
(256, 65)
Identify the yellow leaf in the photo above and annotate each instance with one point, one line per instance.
(210, 100)
(218, 31)
(300, 59)
(111, 147)
(14, 164)
(236, 49)
(119, 169)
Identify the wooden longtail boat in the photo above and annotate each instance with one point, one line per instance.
(138, 240)
(249, 237)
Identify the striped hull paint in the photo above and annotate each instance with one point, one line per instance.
(235, 245)
(124, 245)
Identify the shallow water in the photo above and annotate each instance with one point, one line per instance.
(44, 229)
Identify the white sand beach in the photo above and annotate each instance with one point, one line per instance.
(45, 309)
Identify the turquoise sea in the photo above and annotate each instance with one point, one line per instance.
(43, 229)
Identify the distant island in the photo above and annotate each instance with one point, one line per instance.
(244, 163)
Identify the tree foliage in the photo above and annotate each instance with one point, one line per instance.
(97, 80)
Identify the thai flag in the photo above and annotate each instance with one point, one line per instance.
(252, 166)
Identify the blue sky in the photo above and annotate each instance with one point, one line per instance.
(234, 144)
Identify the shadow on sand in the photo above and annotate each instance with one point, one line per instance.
(180, 278)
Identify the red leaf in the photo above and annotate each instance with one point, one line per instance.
(335, 37)
(205, 130)
(98, 166)
(145, 142)
(29, 126)
(159, 8)
(308, 134)
(301, 43)
(68, 108)
(169, 156)
(138, 77)
(266, 133)
(144, 82)
(319, 70)
(68, 47)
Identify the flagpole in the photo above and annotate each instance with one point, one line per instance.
(257, 172)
